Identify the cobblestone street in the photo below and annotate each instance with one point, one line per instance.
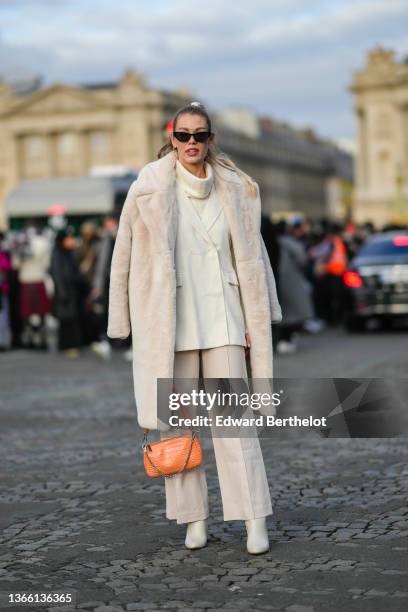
(79, 515)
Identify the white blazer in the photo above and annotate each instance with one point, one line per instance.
(209, 310)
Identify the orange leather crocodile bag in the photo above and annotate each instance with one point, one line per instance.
(171, 456)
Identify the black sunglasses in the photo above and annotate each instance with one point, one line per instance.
(198, 136)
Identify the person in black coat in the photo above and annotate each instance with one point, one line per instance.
(270, 233)
(69, 292)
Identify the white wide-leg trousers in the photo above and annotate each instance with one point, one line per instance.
(240, 466)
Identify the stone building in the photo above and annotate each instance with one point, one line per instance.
(381, 107)
(53, 138)
(298, 173)
(64, 131)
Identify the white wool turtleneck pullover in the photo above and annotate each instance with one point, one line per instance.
(209, 309)
(196, 188)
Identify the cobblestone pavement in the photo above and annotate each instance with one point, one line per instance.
(78, 515)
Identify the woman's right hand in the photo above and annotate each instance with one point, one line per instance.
(248, 342)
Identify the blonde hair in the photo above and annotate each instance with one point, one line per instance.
(214, 155)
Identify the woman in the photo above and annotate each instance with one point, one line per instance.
(69, 292)
(86, 254)
(5, 269)
(293, 287)
(192, 280)
(31, 259)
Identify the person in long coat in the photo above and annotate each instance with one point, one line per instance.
(69, 292)
(5, 269)
(32, 259)
(295, 290)
(191, 280)
(86, 254)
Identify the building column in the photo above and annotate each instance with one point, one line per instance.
(361, 158)
(83, 152)
(401, 141)
(51, 153)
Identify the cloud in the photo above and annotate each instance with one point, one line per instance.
(14, 4)
(291, 59)
(332, 23)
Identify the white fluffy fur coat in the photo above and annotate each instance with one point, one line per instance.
(142, 297)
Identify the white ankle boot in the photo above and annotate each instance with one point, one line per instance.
(196, 536)
(257, 541)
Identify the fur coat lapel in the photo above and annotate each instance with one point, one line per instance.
(160, 213)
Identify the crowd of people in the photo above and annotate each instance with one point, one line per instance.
(54, 284)
(54, 287)
(309, 260)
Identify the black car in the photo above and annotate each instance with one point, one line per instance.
(376, 283)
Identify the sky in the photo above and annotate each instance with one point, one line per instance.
(292, 60)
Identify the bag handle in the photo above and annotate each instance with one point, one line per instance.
(146, 430)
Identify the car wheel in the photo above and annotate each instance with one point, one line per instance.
(387, 324)
(355, 324)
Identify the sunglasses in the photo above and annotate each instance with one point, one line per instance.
(198, 136)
